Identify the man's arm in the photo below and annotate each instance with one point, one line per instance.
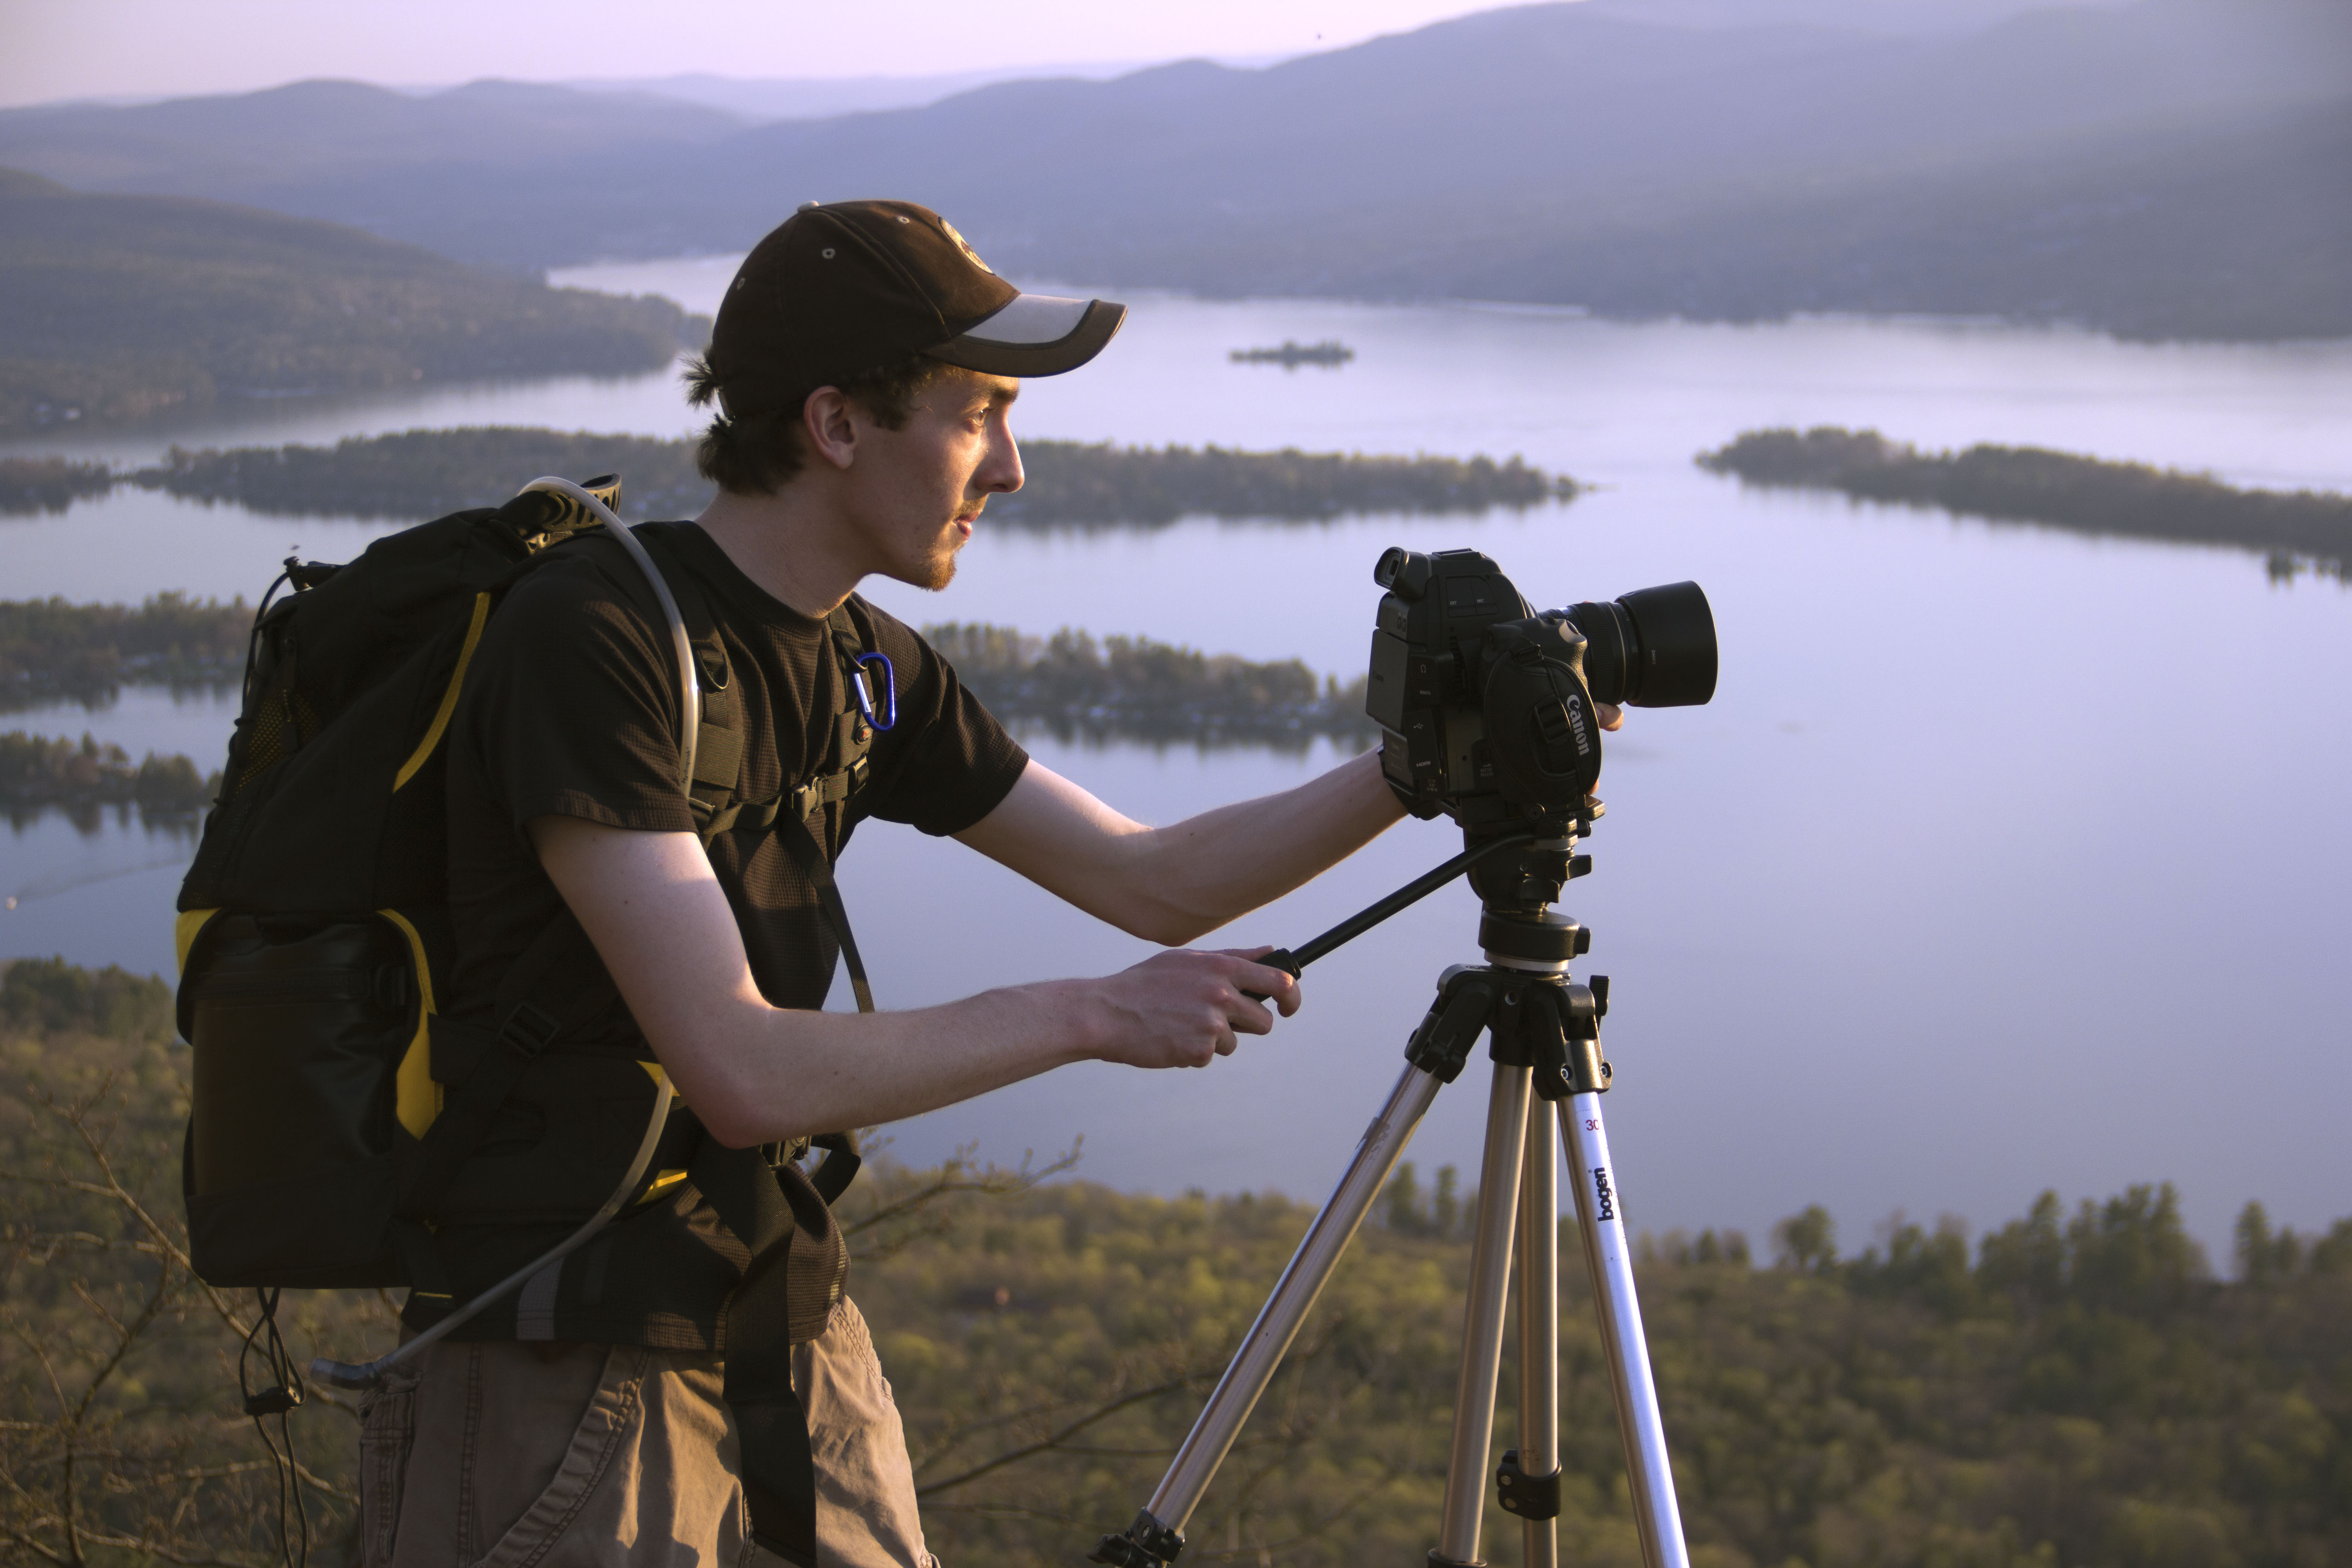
(759, 1074)
(1171, 884)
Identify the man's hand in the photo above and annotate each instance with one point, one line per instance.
(1184, 1009)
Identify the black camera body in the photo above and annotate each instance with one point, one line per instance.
(1487, 708)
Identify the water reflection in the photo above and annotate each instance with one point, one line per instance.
(179, 824)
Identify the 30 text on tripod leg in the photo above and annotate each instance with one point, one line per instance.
(1269, 1339)
(1481, 1318)
(1651, 1477)
(1538, 1472)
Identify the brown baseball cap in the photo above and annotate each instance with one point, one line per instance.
(842, 288)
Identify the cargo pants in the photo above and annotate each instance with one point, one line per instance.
(562, 1455)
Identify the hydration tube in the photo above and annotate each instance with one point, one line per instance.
(343, 1374)
(690, 684)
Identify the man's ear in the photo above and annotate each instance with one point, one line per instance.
(832, 432)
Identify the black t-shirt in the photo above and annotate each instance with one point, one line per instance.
(571, 710)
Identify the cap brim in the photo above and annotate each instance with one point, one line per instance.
(1037, 334)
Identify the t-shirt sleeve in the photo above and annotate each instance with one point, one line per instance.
(572, 709)
(947, 762)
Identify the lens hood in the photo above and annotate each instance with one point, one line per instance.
(1655, 647)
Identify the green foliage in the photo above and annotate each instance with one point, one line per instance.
(124, 307)
(1679, 1248)
(42, 997)
(425, 473)
(51, 648)
(29, 485)
(1806, 1241)
(1135, 688)
(2081, 1393)
(1899, 1407)
(1404, 1211)
(2028, 484)
(2268, 1257)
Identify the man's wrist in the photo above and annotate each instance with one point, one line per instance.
(1076, 1021)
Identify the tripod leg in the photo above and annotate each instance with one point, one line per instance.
(1540, 1338)
(1481, 1324)
(1655, 1513)
(1269, 1339)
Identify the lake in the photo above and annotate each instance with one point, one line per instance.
(2004, 859)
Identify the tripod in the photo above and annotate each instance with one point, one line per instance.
(1546, 1048)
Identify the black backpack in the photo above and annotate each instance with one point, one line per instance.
(337, 1118)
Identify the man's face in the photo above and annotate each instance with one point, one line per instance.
(917, 491)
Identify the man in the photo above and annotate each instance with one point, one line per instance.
(864, 363)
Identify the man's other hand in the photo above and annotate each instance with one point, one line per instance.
(1183, 1009)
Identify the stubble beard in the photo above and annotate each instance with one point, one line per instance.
(938, 569)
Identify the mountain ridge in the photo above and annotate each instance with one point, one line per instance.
(1999, 169)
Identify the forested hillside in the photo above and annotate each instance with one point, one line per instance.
(123, 307)
(2075, 1389)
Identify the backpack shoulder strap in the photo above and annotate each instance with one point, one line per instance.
(715, 795)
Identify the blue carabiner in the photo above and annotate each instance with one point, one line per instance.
(888, 717)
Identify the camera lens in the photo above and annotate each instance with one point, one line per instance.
(1655, 647)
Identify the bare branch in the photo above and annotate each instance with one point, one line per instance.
(23, 1540)
(114, 1189)
(950, 1179)
(1014, 1456)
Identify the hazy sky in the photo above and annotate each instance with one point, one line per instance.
(53, 49)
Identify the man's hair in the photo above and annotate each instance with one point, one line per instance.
(755, 454)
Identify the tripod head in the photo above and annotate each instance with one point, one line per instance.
(1526, 876)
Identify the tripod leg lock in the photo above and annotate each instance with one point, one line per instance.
(1146, 1544)
(1561, 1024)
(1526, 1495)
(1465, 1002)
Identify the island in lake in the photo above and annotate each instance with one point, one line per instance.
(2061, 489)
(1330, 353)
(422, 474)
